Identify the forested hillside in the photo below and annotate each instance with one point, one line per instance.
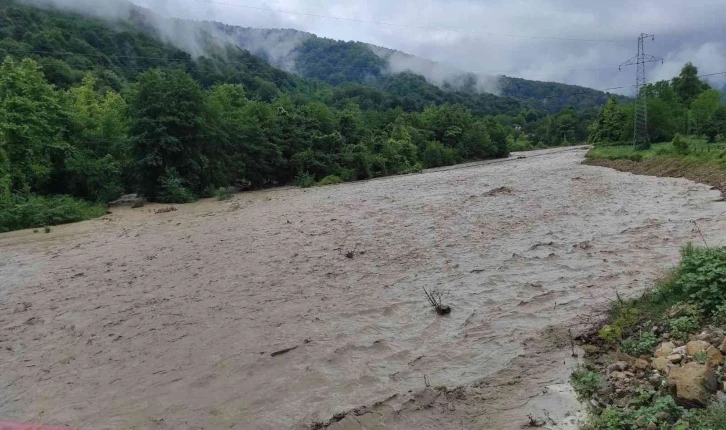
(337, 62)
(91, 109)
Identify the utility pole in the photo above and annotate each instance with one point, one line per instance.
(640, 134)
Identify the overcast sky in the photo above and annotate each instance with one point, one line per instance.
(499, 36)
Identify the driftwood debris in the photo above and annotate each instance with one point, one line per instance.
(282, 351)
(435, 298)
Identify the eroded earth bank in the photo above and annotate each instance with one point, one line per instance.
(284, 308)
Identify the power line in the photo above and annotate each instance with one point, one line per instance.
(627, 86)
(362, 21)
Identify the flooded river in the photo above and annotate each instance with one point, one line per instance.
(282, 308)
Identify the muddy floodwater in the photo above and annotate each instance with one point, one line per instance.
(282, 308)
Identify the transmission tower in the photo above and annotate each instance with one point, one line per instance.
(640, 134)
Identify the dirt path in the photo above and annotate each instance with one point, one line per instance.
(144, 320)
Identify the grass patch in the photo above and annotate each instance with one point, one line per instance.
(18, 212)
(690, 149)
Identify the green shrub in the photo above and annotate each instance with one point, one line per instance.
(712, 418)
(304, 180)
(172, 189)
(330, 180)
(663, 411)
(702, 278)
(223, 193)
(644, 344)
(681, 327)
(31, 211)
(701, 356)
(635, 157)
(610, 333)
(435, 154)
(680, 145)
(585, 382)
(720, 312)
(46, 229)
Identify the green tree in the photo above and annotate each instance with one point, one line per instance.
(688, 85)
(476, 143)
(32, 125)
(98, 162)
(167, 123)
(702, 109)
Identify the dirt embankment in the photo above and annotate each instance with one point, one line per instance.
(668, 168)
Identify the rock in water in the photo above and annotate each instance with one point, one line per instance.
(692, 384)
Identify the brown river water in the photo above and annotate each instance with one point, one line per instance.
(182, 319)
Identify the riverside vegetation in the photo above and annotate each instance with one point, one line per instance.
(659, 361)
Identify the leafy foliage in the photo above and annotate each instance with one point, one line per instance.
(223, 193)
(615, 418)
(585, 382)
(172, 189)
(304, 180)
(680, 145)
(30, 211)
(330, 180)
(711, 418)
(702, 278)
(641, 345)
(680, 327)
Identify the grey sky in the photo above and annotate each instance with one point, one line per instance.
(685, 31)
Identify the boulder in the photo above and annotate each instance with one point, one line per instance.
(692, 384)
(723, 346)
(675, 358)
(661, 364)
(665, 349)
(641, 364)
(680, 350)
(618, 366)
(618, 375)
(651, 426)
(714, 357)
(696, 346)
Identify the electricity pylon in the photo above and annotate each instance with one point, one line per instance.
(640, 134)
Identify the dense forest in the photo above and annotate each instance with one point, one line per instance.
(685, 105)
(337, 62)
(92, 109)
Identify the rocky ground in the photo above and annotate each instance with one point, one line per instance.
(654, 390)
